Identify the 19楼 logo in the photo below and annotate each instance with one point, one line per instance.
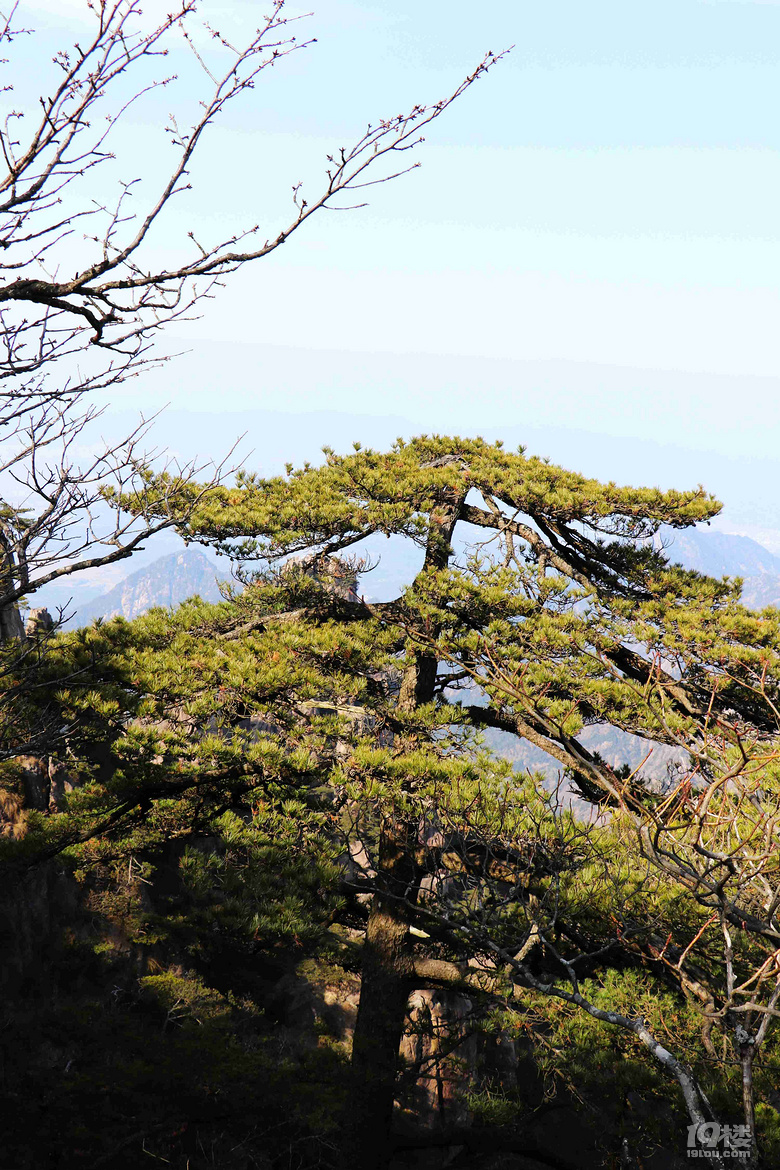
(709, 1139)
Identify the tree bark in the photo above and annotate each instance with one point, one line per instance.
(388, 967)
(386, 971)
(746, 1054)
(11, 625)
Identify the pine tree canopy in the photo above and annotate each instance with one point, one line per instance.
(403, 490)
(540, 587)
(305, 750)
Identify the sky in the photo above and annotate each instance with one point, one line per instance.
(587, 260)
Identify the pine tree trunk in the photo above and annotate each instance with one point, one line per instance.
(746, 1055)
(11, 625)
(387, 961)
(386, 970)
(384, 992)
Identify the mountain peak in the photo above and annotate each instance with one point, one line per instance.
(166, 582)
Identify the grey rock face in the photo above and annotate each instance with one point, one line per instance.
(39, 622)
(166, 582)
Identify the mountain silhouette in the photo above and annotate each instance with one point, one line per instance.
(167, 581)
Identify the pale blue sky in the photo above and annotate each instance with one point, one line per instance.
(591, 245)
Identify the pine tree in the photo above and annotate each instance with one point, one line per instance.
(542, 590)
(299, 721)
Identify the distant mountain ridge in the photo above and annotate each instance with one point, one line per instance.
(168, 582)
(719, 554)
(173, 578)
